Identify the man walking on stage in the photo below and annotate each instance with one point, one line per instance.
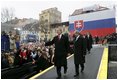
(61, 49)
(79, 53)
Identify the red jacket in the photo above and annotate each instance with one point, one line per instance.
(23, 54)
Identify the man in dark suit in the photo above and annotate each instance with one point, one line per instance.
(89, 41)
(79, 53)
(61, 50)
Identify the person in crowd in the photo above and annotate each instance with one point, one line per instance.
(17, 41)
(23, 56)
(96, 39)
(34, 54)
(79, 52)
(112, 38)
(28, 53)
(4, 61)
(5, 42)
(89, 41)
(61, 49)
(12, 41)
(40, 61)
(51, 53)
(17, 57)
(10, 58)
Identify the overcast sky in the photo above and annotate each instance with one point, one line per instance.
(32, 8)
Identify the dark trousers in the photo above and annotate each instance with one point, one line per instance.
(88, 48)
(77, 68)
(58, 68)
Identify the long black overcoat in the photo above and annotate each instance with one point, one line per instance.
(61, 50)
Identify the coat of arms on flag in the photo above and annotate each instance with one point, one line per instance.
(79, 25)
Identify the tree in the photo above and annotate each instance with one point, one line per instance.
(7, 14)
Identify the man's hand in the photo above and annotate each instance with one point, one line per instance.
(52, 59)
(19, 55)
(52, 62)
(68, 54)
(33, 61)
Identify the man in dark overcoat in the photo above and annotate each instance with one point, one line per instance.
(79, 53)
(89, 42)
(61, 49)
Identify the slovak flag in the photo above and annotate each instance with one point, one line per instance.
(78, 25)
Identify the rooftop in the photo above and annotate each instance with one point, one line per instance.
(90, 9)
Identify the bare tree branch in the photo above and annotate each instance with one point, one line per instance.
(7, 14)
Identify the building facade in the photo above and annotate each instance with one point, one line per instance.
(47, 17)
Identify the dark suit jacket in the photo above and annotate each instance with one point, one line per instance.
(61, 50)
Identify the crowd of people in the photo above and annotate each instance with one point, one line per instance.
(9, 41)
(106, 39)
(14, 53)
(39, 55)
(111, 38)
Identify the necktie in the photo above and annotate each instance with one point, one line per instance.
(58, 37)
